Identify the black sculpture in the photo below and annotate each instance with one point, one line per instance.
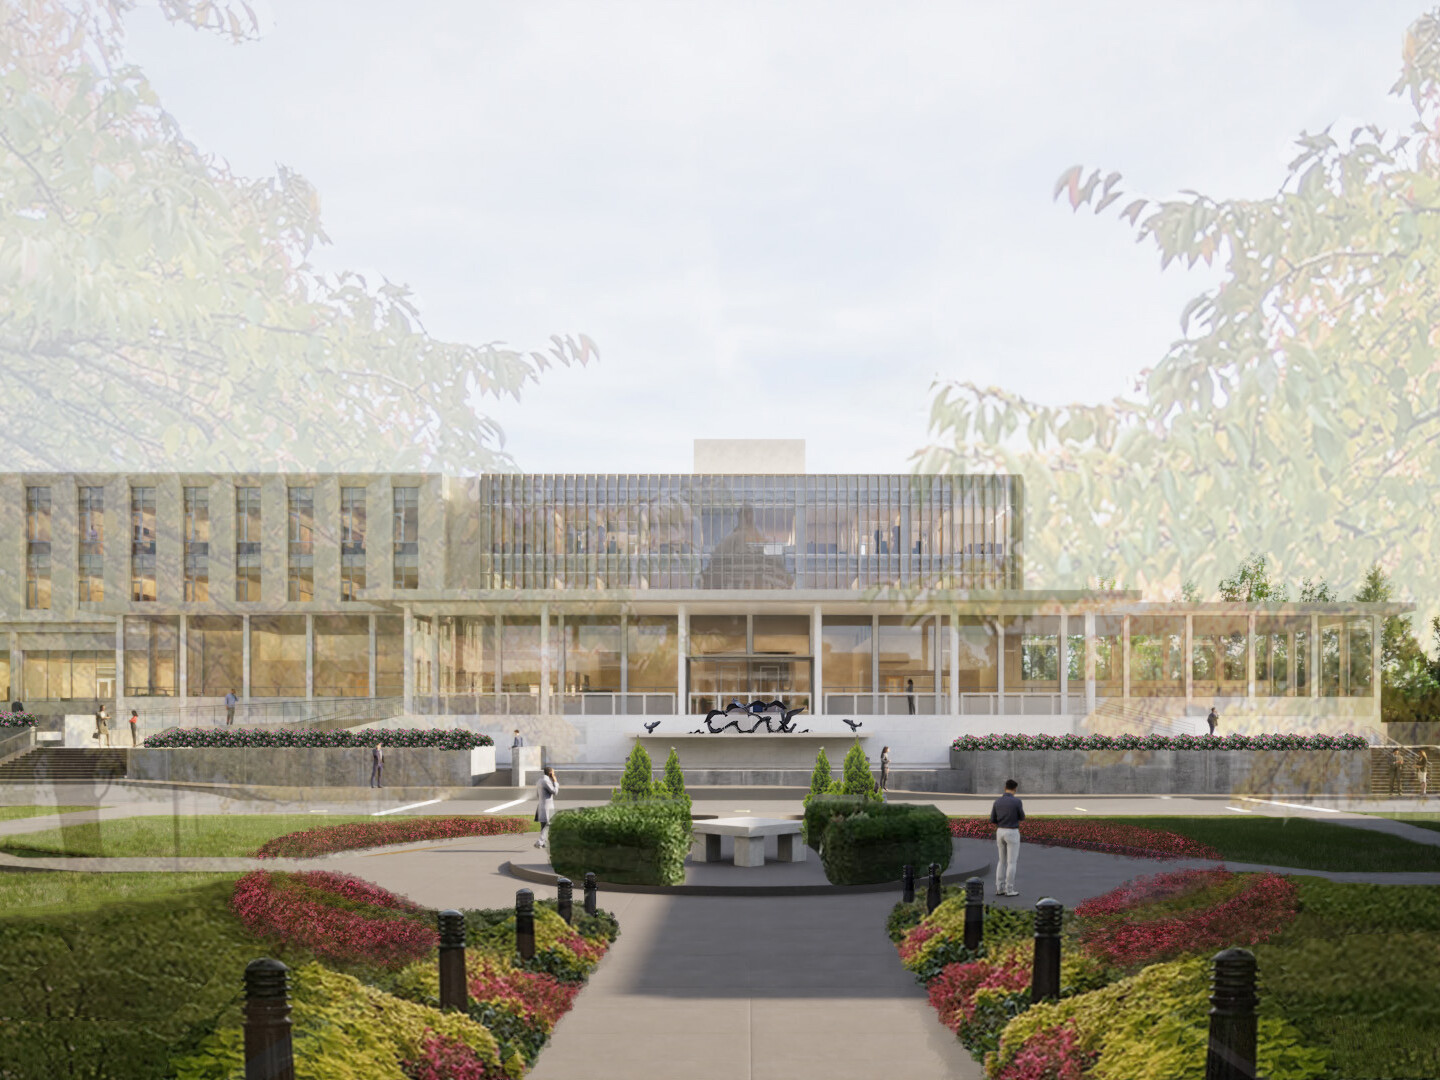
(650, 728)
(760, 710)
(854, 725)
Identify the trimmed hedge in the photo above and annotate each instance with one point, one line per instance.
(873, 844)
(633, 843)
(1160, 742)
(260, 738)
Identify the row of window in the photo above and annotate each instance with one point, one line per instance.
(300, 554)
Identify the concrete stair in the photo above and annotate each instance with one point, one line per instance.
(56, 764)
(1380, 772)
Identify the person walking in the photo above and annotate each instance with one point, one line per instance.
(884, 768)
(546, 788)
(1006, 815)
(102, 726)
(1397, 760)
(910, 695)
(1212, 719)
(1422, 773)
(518, 741)
(377, 766)
(134, 728)
(230, 700)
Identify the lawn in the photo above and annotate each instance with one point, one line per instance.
(166, 835)
(1300, 843)
(10, 813)
(1420, 818)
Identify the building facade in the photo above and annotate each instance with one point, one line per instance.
(576, 604)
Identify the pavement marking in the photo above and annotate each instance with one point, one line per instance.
(410, 806)
(1082, 809)
(1239, 810)
(1291, 805)
(319, 811)
(502, 806)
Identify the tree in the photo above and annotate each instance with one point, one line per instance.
(1409, 680)
(155, 308)
(856, 778)
(674, 782)
(1251, 584)
(820, 782)
(637, 782)
(1316, 592)
(1190, 591)
(1298, 412)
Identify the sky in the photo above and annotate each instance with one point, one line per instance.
(774, 219)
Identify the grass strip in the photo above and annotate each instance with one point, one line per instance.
(11, 813)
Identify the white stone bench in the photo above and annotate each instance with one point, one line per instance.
(749, 834)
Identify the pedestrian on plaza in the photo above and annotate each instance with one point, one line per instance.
(1212, 719)
(546, 788)
(1396, 761)
(230, 700)
(910, 695)
(1422, 773)
(102, 726)
(884, 768)
(377, 766)
(517, 742)
(1006, 815)
(134, 728)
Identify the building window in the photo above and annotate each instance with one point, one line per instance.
(91, 536)
(247, 544)
(407, 538)
(152, 655)
(197, 543)
(300, 576)
(352, 542)
(142, 543)
(37, 548)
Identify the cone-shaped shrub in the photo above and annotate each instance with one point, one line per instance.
(637, 782)
(674, 782)
(820, 778)
(857, 779)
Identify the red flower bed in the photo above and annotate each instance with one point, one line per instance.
(1110, 837)
(1119, 933)
(330, 838)
(952, 992)
(529, 993)
(335, 916)
(445, 1059)
(1052, 1053)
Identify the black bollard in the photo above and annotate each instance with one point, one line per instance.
(974, 913)
(525, 923)
(932, 894)
(565, 900)
(453, 992)
(1045, 977)
(1232, 1017)
(589, 894)
(268, 1053)
(907, 895)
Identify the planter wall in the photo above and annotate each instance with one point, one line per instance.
(1163, 772)
(307, 767)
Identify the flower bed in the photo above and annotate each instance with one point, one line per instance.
(18, 719)
(336, 916)
(309, 843)
(259, 738)
(1160, 742)
(1109, 837)
(1141, 923)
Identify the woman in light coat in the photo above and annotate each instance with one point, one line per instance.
(546, 788)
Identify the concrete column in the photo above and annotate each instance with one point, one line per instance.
(817, 675)
(245, 657)
(1344, 688)
(434, 655)
(1290, 663)
(1375, 639)
(1125, 657)
(1250, 657)
(1189, 659)
(624, 660)
(309, 657)
(409, 652)
(875, 663)
(544, 659)
(1089, 662)
(17, 671)
(682, 650)
(372, 655)
(1064, 654)
(1000, 665)
(954, 667)
(119, 661)
(495, 659)
(1314, 656)
(182, 691)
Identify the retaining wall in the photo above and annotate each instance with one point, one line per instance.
(1163, 772)
(311, 767)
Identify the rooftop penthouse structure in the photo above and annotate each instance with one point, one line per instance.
(573, 605)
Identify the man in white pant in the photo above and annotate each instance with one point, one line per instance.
(1006, 815)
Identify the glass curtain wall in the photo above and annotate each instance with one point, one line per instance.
(1032, 654)
(389, 655)
(520, 658)
(908, 660)
(277, 656)
(214, 655)
(91, 536)
(1280, 642)
(1157, 656)
(65, 674)
(977, 677)
(342, 655)
(846, 642)
(1345, 656)
(652, 657)
(152, 648)
(1109, 656)
(1219, 656)
(592, 648)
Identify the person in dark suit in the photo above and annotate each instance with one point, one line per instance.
(377, 766)
(1212, 719)
(910, 695)
(1006, 815)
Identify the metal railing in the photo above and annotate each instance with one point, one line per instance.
(700, 704)
(251, 713)
(590, 703)
(1026, 703)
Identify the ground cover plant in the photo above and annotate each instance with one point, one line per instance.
(10, 813)
(235, 835)
(1114, 836)
(18, 719)
(262, 738)
(1160, 742)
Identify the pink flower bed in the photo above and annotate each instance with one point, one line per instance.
(335, 916)
(952, 992)
(527, 993)
(330, 838)
(443, 1058)
(1111, 837)
(1117, 931)
(1052, 1053)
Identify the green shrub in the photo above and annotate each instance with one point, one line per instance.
(630, 843)
(903, 917)
(637, 782)
(820, 780)
(856, 778)
(873, 844)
